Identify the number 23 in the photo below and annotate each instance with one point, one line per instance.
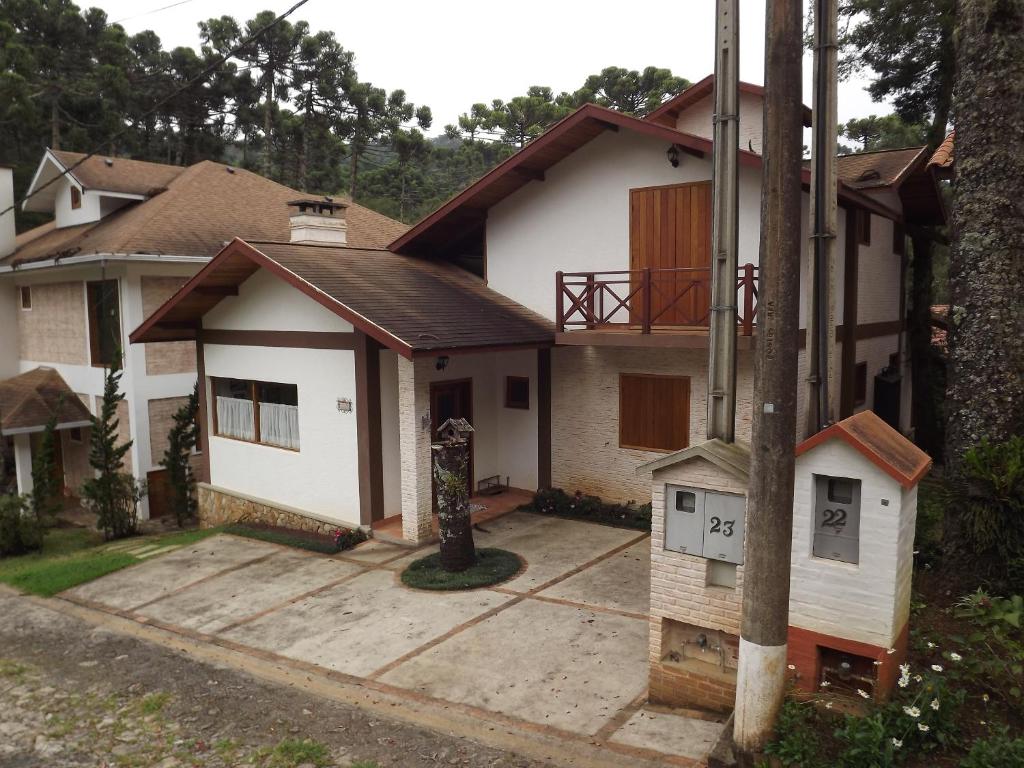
(719, 526)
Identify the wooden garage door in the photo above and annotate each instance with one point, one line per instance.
(670, 227)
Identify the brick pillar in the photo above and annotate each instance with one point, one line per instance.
(414, 441)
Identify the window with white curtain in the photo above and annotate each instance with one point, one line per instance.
(257, 411)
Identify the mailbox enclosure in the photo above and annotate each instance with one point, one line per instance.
(837, 518)
(705, 523)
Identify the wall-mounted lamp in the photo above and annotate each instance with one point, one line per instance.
(672, 153)
(345, 404)
(425, 421)
(442, 362)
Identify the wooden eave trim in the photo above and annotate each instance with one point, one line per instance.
(294, 339)
(480, 348)
(240, 247)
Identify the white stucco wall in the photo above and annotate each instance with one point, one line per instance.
(67, 216)
(861, 602)
(577, 219)
(878, 276)
(265, 302)
(322, 477)
(8, 328)
(697, 120)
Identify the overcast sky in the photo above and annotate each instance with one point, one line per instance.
(451, 54)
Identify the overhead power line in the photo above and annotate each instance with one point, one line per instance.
(217, 63)
(150, 13)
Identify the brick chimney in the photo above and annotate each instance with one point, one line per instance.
(6, 219)
(318, 222)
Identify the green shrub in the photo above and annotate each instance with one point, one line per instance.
(340, 539)
(797, 741)
(989, 501)
(20, 531)
(578, 506)
(999, 751)
(996, 655)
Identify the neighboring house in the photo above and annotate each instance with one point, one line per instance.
(126, 235)
(559, 303)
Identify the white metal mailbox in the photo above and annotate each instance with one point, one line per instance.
(837, 518)
(704, 523)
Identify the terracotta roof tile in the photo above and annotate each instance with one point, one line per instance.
(944, 156)
(203, 207)
(881, 444)
(28, 401)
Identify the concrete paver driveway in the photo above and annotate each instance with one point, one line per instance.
(563, 646)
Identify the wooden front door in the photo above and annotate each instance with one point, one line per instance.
(451, 400)
(670, 228)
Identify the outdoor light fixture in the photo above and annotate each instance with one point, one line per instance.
(442, 362)
(345, 405)
(673, 155)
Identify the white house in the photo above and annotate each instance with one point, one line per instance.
(559, 303)
(125, 235)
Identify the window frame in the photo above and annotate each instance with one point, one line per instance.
(76, 198)
(25, 291)
(510, 402)
(860, 383)
(71, 435)
(899, 238)
(660, 376)
(253, 389)
(95, 351)
(864, 227)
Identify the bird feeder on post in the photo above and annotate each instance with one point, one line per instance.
(451, 461)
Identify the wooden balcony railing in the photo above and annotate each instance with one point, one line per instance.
(647, 299)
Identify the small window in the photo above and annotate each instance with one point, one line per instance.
(840, 490)
(76, 198)
(860, 384)
(864, 227)
(26, 297)
(686, 501)
(104, 321)
(898, 238)
(517, 392)
(257, 412)
(654, 412)
(75, 434)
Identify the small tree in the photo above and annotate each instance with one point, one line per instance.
(42, 501)
(112, 494)
(180, 442)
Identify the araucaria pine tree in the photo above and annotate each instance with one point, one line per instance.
(45, 491)
(113, 493)
(180, 442)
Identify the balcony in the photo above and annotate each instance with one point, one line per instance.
(647, 307)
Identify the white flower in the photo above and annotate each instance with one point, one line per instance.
(918, 678)
(955, 657)
(935, 704)
(825, 683)
(791, 666)
(931, 644)
(912, 711)
(828, 705)
(877, 663)
(923, 728)
(891, 651)
(936, 667)
(897, 743)
(984, 697)
(903, 682)
(863, 694)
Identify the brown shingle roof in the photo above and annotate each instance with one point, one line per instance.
(866, 170)
(203, 207)
(118, 174)
(28, 401)
(409, 304)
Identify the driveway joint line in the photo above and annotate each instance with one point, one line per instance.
(620, 718)
(204, 579)
(590, 563)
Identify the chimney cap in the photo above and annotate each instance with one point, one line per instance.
(323, 205)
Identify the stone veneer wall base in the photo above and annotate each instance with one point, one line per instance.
(218, 506)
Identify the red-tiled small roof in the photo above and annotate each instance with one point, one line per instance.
(669, 112)
(944, 157)
(28, 401)
(411, 305)
(881, 444)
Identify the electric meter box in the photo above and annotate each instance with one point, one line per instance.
(837, 518)
(705, 523)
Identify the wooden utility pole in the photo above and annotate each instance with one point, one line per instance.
(724, 225)
(821, 314)
(760, 683)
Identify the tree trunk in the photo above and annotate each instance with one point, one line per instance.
(454, 527)
(267, 127)
(985, 397)
(355, 173)
(54, 124)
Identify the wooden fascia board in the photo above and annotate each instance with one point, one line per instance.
(480, 348)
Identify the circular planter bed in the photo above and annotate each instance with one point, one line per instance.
(492, 567)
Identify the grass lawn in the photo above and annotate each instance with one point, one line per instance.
(73, 556)
(492, 566)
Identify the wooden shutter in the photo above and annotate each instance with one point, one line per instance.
(654, 412)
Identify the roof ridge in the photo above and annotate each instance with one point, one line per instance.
(880, 151)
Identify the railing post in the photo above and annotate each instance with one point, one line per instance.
(590, 301)
(646, 290)
(559, 302)
(748, 299)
